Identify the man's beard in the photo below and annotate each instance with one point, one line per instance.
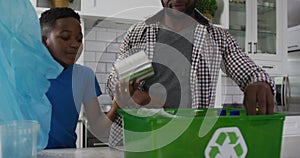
(176, 14)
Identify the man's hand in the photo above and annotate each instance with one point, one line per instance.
(259, 94)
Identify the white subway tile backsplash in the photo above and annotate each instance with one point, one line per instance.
(237, 99)
(102, 78)
(89, 56)
(226, 99)
(108, 57)
(232, 90)
(119, 31)
(109, 67)
(228, 81)
(113, 47)
(106, 36)
(120, 37)
(223, 89)
(103, 88)
(101, 67)
(99, 56)
(99, 29)
(91, 35)
(94, 46)
(92, 65)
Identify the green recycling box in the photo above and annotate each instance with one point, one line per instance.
(201, 133)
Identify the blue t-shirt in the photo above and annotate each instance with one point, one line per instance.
(75, 85)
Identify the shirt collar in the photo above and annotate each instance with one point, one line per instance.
(158, 16)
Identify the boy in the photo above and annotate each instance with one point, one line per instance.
(77, 84)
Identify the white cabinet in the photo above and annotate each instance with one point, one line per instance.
(42, 5)
(121, 9)
(260, 28)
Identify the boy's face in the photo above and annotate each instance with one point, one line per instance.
(64, 41)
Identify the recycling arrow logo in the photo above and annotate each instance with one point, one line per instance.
(226, 143)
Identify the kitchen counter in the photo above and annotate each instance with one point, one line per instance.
(289, 150)
(103, 152)
(290, 146)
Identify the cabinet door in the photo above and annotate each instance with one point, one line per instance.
(43, 5)
(240, 22)
(129, 9)
(264, 30)
(269, 23)
(260, 27)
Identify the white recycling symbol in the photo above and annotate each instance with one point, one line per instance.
(226, 143)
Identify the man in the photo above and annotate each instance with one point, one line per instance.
(203, 50)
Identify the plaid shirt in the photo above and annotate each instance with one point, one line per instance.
(213, 48)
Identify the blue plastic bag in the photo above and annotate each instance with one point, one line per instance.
(25, 67)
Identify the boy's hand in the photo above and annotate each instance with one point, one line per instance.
(127, 94)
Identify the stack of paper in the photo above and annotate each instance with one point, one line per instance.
(136, 66)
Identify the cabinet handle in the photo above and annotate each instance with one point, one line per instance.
(293, 46)
(250, 47)
(100, 144)
(286, 92)
(267, 67)
(95, 3)
(255, 50)
(282, 95)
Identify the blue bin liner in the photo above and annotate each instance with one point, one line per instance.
(25, 67)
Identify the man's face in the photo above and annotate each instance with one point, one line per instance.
(64, 41)
(185, 6)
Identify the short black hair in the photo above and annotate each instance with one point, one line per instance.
(49, 17)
